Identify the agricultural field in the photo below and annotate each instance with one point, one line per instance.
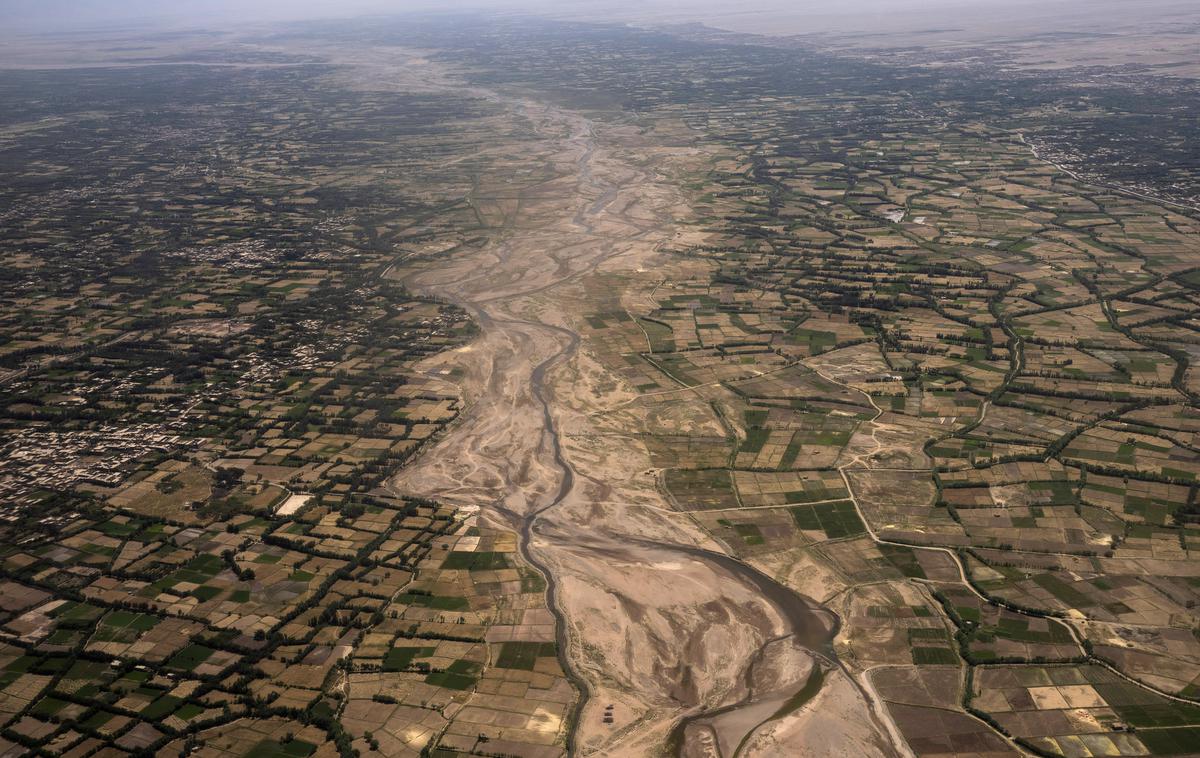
(1081, 710)
(507, 387)
(209, 372)
(928, 359)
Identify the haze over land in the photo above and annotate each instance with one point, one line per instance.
(403, 379)
(773, 17)
(1042, 33)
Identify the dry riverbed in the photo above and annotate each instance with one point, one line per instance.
(654, 619)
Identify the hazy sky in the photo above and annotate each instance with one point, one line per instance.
(51, 14)
(765, 16)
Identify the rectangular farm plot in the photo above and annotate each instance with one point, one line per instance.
(760, 488)
(288, 749)
(925, 655)
(755, 531)
(994, 633)
(835, 520)
(436, 602)
(139, 634)
(700, 490)
(787, 438)
(524, 655)
(402, 658)
(1040, 528)
(1010, 473)
(688, 452)
(476, 561)
(936, 731)
(459, 675)
(190, 657)
(1108, 597)
(695, 367)
(1122, 448)
(1061, 708)
(1136, 500)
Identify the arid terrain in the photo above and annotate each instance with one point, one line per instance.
(456, 384)
(544, 447)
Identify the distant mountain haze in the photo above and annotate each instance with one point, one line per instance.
(978, 17)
